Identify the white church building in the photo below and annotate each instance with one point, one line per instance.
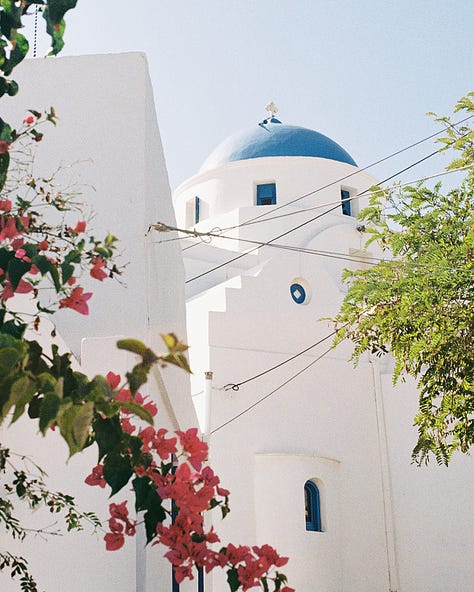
(316, 453)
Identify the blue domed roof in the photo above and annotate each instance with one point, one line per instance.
(273, 138)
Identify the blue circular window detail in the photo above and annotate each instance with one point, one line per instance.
(298, 293)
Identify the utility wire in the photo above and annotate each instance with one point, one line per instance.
(271, 393)
(236, 386)
(161, 227)
(329, 254)
(328, 211)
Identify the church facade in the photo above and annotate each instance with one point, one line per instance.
(315, 452)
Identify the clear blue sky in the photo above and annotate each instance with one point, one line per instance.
(364, 73)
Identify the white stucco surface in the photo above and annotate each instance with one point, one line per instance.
(387, 524)
(109, 134)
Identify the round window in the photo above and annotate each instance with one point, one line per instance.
(299, 291)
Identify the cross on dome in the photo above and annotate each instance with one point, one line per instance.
(271, 108)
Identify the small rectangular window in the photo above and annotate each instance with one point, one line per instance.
(266, 194)
(346, 204)
(196, 209)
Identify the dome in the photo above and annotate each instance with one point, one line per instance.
(273, 138)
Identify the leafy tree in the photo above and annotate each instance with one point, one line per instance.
(419, 304)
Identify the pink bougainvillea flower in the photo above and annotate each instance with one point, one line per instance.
(21, 254)
(71, 281)
(150, 406)
(5, 205)
(43, 245)
(80, 227)
(113, 380)
(164, 446)
(77, 300)
(114, 541)
(127, 425)
(194, 447)
(96, 477)
(25, 220)
(97, 272)
(4, 147)
(18, 243)
(8, 228)
(119, 511)
(29, 120)
(22, 288)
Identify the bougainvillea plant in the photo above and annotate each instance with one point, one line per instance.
(45, 249)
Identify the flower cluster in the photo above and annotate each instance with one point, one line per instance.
(119, 525)
(172, 480)
(36, 254)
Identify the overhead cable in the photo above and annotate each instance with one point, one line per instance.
(235, 386)
(271, 393)
(328, 211)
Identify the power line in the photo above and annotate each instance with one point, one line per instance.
(328, 211)
(236, 386)
(272, 392)
(161, 227)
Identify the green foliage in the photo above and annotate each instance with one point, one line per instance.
(420, 305)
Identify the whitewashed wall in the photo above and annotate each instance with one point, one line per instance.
(388, 525)
(108, 128)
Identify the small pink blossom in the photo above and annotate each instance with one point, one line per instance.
(96, 477)
(113, 380)
(114, 541)
(29, 120)
(5, 205)
(77, 300)
(80, 227)
(97, 271)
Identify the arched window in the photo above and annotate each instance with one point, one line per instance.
(312, 506)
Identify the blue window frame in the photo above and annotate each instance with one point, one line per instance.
(312, 506)
(346, 204)
(197, 204)
(266, 194)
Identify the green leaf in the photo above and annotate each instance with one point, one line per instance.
(132, 345)
(12, 89)
(137, 377)
(137, 410)
(10, 359)
(3, 86)
(75, 425)
(16, 390)
(22, 392)
(16, 270)
(108, 434)
(146, 497)
(58, 8)
(49, 411)
(18, 53)
(4, 164)
(154, 516)
(233, 579)
(117, 471)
